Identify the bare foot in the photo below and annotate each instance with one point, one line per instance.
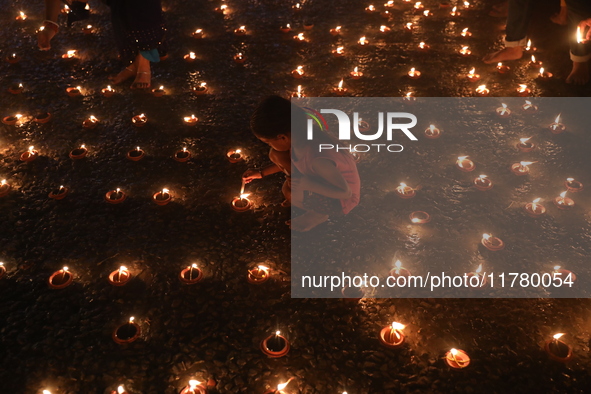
(124, 75)
(508, 53)
(307, 221)
(45, 35)
(142, 80)
(561, 17)
(286, 203)
(580, 74)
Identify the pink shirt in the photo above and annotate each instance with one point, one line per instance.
(345, 164)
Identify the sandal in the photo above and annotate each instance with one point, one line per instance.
(141, 85)
(47, 31)
(131, 73)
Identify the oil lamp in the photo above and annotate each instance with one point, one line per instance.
(414, 74)
(534, 63)
(457, 358)
(13, 58)
(557, 127)
(2, 270)
(108, 91)
(190, 57)
(115, 196)
(135, 154)
(239, 58)
(298, 72)
(90, 123)
(194, 387)
(42, 117)
(502, 69)
(241, 203)
(482, 91)
(58, 194)
(241, 31)
(521, 168)
(525, 146)
(127, 332)
(409, 26)
(465, 51)
(572, 185)
(480, 281)
(21, 16)
(568, 277)
(340, 90)
(336, 31)
(297, 7)
(190, 120)
(308, 25)
(503, 111)
(4, 188)
(465, 33)
(66, 9)
(29, 155)
(432, 132)
(529, 108)
(299, 38)
(557, 349)
(120, 276)
(392, 336)
(120, 390)
(60, 279)
(339, 52)
(70, 54)
(222, 9)
(399, 270)
(87, 29)
(405, 192)
(523, 90)
(389, 4)
(370, 9)
(73, 92)
(465, 164)
(563, 202)
(191, 274)
(197, 33)
(472, 76)
(427, 13)
(482, 183)
(182, 155)
(259, 274)
(356, 74)
(423, 47)
(235, 155)
(285, 28)
(275, 346)
(158, 92)
(162, 197)
(11, 120)
(299, 92)
(580, 38)
(363, 41)
(16, 88)
(78, 153)
(200, 89)
(543, 74)
(454, 12)
(139, 120)
(419, 217)
(492, 243)
(534, 208)
(418, 6)
(384, 29)
(409, 98)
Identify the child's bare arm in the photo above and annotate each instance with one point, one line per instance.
(252, 174)
(334, 185)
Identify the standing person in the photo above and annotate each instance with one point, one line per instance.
(579, 15)
(50, 25)
(139, 32)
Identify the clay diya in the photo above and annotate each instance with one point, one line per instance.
(241, 203)
(162, 197)
(502, 69)
(419, 217)
(158, 92)
(5, 188)
(472, 76)
(529, 108)
(521, 168)
(336, 31)
(239, 58)
(87, 29)
(299, 92)
(16, 89)
(340, 90)
(480, 281)
(60, 279)
(2, 270)
(457, 358)
(285, 28)
(200, 89)
(191, 274)
(29, 155)
(414, 74)
(139, 120)
(482, 91)
(525, 146)
(78, 153)
(492, 243)
(115, 196)
(363, 41)
(69, 55)
(127, 333)
(190, 57)
(108, 91)
(21, 16)
(482, 183)
(399, 270)
(338, 52)
(465, 51)
(503, 111)
(405, 192)
(563, 202)
(182, 155)
(90, 123)
(11, 120)
(13, 58)
(190, 120)
(241, 31)
(567, 277)
(120, 276)
(465, 33)
(74, 92)
(432, 132)
(135, 154)
(543, 74)
(356, 74)
(558, 350)
(280, 388)
(572, 185)
(523, 91)
(235, 155)
(465, 164)
(298, 72)
(58, 194)
(392, 336)
(557, 127)
(197, 33)
(275, 345)
(534, 208)
(259, 274)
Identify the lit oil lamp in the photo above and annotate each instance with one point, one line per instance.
(502, 69)
(2, 270)
(4, 188)
(11, 120)
(239, 58)
(182, 155)
(120, 390)
(21, 16)
(524, 145)
(108, 91)
(356, 74)
(275, 346)
(363, 41)
(222, 9)
(158, 92)
(492, 243)
(285, 28)
(280, 388)
(90, 123)
(61, 279)
(392, 336)
(190, 57)
(259, 274)
(162, 197)
(572, 185)
(29, 155)
(389, 4)
(370, 9)
(384, 29)
(340, 90)
(483, 183)
(419, 217)
(139, 120)
(472, 76)
(465, 164)
(457, 358)
(529, 47)
(534, 63)
(557, 349)
(197, 33)
(336, 31)
(409, 98)
(521, 168)
(59, 194)
(482, 91)
(135, 154)
(543, 74)
(414, 74)
(241, 203)
(70, 54)
(200, 89)
(466, 33)
(74, 92)
(409, 26)
(42, 117)
(190, 120)
(503, 111)
(194, 387)
(297, 7)
(465, 51)
(423, 47)
(115, 196)
(241, 31)
(568, 277)
(523, 90)
(405, 192)
(432, 132)
(308, 25)
(399, 270)
(88, 29)
(563, 202)
(191, 274)
(529, 108)
(534, 208)
(557, 127)
(127, 332)
(120, 276)
(13, 58)
(299, 37)
(418, 6)
(339, 52)
(454, 12)
(66, 9)
(299, 92)
(427, 13)
(16, 88)
(235, 155)
(298, 72)
(78, 153)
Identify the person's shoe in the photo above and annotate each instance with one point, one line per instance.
(47, 31)
(78, 12)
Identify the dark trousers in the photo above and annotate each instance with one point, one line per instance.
(520, 13)
(578, 10)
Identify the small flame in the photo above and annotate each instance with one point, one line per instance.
(482, 176)
(402, 185)
(121, 389)
(71, 53)
(244, 196)
(504, 106)
(109, 88)
(131, 319)
(238, 151)
(454, 352)
(193, 265)
(383, 28)
(340, 49)
(184, 149)
(164, 191)
(525, 163)
(528, 46)
(65, 269)
(409, 94)
(341, 84)
(371, 8)
(556, 267)
(557, 120)
(398, 264)
(398, 326)
(462, 158)
(479, 269)
(453, 10)
(198, 31)
(82, 146)
(192, 55)
(522, 88)
(472, 71)
(282, 386)
(301, 36)
(481, 89)
(31, 149)
(356, 69)
(537, 200)
(122, 268)
(277, 333)
(242, 28)
(3, 182)
(563, 194)
(486, 236)
(193, 384)
(432, 128)
(465, 32)
(579, 35)
(409, 26)
(558, 336)
(46, 392)
(533, 59)
(363, 40)
(541, 70)
(118, 190)
(426, 13)
(22, 15)
(161, 87)
(524, 140)
(422, 45)
(338, 28)
(415, 220)
(418, 5)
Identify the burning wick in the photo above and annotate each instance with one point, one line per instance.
(300, 37)
(457, 358)
(240, 31)
(370, 9)
(191, 56)
(557, 127)
(465, 33)
(572, 185)
(409, 26)
(108, 91)
(482, 91)
(21, 16)
(580, 39)
(544, 74)
(465, 51)
(404, 191)
(336, 31)
(392, 336)
(198, 33)
(423, 46)
(338, 52)
(501, 68)
(557, 349)
(299, 92)
(414, 74)
(528, 47)
(534, 208)
(465, 164)
(529, 107)
(69, 54)
(298, 72)
(409, 97)
(356, 74)
(521, 168)
(492, 243)
(363, 41)
(563, 202)
(534, 62)
(503, 111)
(384, 29)
(399, 270)
(523, 90)
(472, 76)
(340, 90)
(480, 278)
(190, 120)
(454, 12)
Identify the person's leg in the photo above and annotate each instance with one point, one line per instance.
(283, 161)
(143, 77)
(520, 12)
(580, 53)
(561, 18)
(50, 27)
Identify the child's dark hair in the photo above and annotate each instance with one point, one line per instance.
(273, 116)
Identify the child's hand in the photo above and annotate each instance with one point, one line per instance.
(251, 174)
(583, 25)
